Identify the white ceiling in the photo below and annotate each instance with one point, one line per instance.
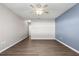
(25, 11)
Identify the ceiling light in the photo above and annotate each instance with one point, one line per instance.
(28, 21)
(39, 9)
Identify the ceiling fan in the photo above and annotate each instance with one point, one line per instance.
(39, 9)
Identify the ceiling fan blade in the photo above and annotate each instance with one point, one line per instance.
(45, 6)
(47, 12)
(39, 5)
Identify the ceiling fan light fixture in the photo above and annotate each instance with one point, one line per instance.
(39, 9)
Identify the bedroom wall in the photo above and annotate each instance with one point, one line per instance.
(67, 27)
(42, 29)
(12, 28)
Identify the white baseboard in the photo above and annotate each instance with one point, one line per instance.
(68, 46)
(42, 38)
(12, 44)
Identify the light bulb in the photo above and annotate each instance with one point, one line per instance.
(39, 11)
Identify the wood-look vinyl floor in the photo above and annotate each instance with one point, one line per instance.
(38, 48)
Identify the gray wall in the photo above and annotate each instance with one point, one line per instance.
(67, 27)
(12, 28)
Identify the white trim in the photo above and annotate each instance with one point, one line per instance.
(68, 46)
(12, 44)
(42, 38)
(54, 28)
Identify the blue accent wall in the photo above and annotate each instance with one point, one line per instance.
(67, 27)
